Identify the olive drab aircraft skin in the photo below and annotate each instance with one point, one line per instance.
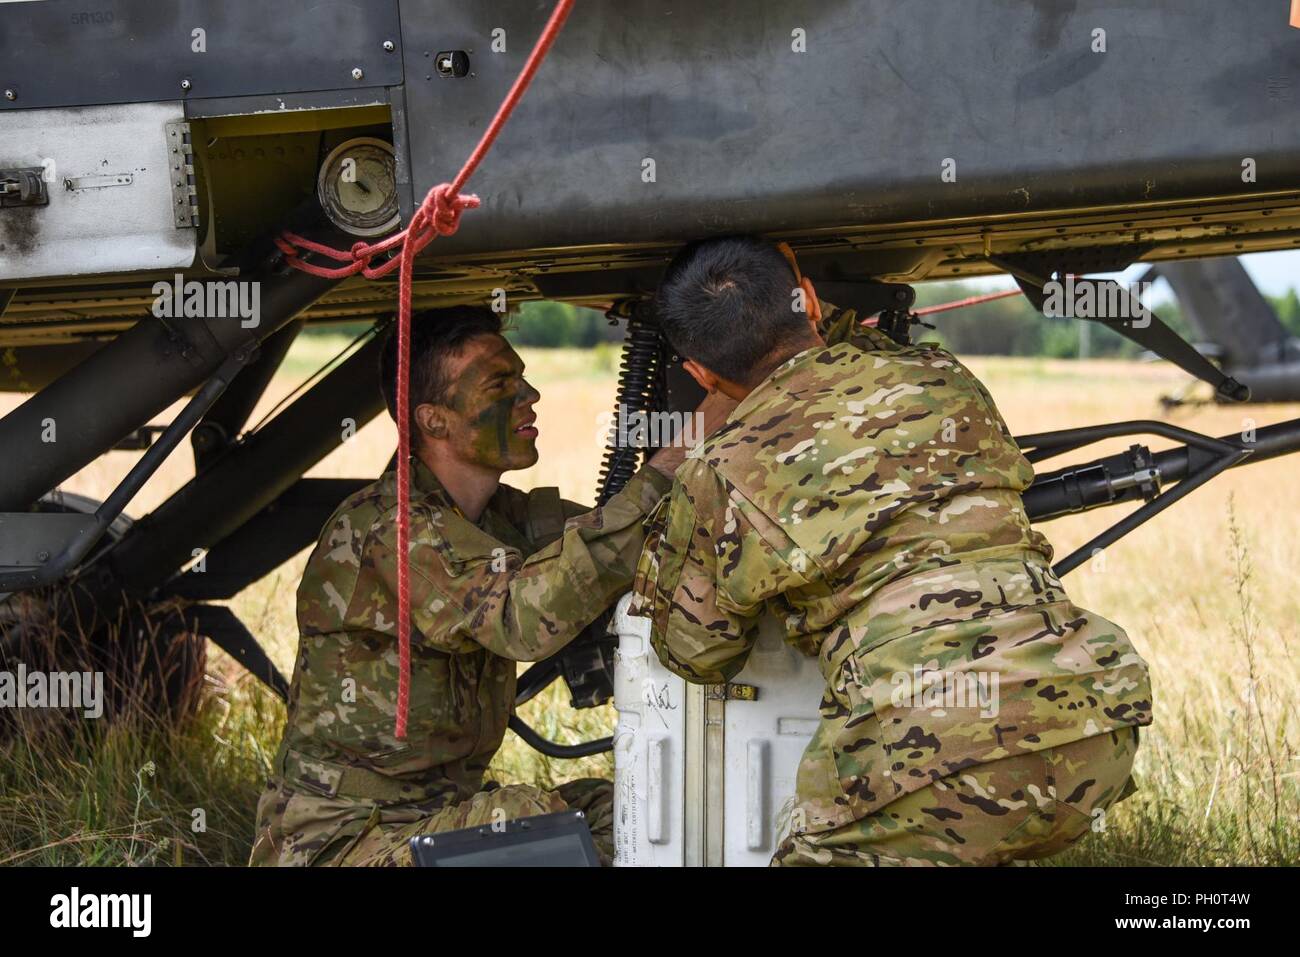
(151, 153)
(887, 140)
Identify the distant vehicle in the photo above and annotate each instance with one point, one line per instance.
(1227, 311)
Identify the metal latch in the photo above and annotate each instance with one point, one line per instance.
(23, 187)
(731, 691)
(452, 63)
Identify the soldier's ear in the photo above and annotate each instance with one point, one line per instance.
(431, 420)
(706, 379)
(813, 304)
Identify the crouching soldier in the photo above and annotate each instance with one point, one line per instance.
(497, 576)
(869, 495)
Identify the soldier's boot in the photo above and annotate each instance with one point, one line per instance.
(1019, 808)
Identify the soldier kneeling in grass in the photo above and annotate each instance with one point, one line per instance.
(868, 494)
(497, 576)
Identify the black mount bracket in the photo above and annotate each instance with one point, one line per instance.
(1033, 272)
(1136, 473)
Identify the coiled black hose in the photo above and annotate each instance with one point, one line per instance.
(641, 389)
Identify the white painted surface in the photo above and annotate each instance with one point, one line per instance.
(649, 751)
(661, 758)
(95, 229)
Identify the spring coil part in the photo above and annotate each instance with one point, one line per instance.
(640, 390)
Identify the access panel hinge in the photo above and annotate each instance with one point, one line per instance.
(180, 161)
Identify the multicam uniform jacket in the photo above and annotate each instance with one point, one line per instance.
(868, 494)
(515, 587)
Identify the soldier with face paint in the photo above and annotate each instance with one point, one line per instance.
(497, 576)
(868, 495)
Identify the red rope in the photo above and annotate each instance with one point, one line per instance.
(971, 301)
(438, 215)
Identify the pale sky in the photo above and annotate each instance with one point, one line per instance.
(1274, 274)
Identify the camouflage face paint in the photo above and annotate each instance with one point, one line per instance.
(492, 404)
(491, 429)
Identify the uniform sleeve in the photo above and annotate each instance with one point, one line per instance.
(574, 509)
(463, 598)
(710, 564)
(843, 325)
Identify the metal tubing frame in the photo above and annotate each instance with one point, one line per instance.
(1171, 464)
(251, 475)
(112, 507)
(145, 369)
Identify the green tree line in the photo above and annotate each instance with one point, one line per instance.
(1007, 327)
(1012, 327)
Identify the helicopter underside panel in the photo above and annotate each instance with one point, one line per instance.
(139, 51)
(965, 134)
(108, 175)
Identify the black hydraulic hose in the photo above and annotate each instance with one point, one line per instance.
(1108, 481)
(553, 750)
(533, 681)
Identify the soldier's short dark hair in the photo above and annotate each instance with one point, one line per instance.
(436, 336)
(726, 303)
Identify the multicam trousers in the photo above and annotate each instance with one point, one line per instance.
(1017, 808)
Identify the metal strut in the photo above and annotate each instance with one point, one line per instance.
(1158, 478)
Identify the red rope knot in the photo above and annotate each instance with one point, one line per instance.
(443, 207)
(357, 258)
(286, 247)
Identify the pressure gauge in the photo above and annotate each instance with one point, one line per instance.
(358, 187)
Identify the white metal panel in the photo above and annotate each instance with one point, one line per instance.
(649, 752)
(764, 741)
(663, 808)
(110, 187)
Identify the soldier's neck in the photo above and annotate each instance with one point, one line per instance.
(469, 485)
(766, 366)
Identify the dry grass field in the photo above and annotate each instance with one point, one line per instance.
(1208, 591)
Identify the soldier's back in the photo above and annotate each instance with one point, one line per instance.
(885, 475)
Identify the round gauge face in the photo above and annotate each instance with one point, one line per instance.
(358, 187)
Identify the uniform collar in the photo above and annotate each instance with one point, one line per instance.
(776, 381)
(494, 521)
(426, 483)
